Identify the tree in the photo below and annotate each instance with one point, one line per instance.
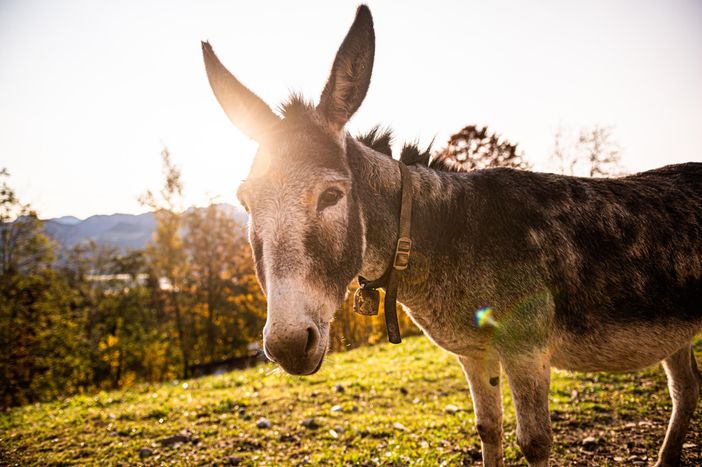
(166, 253)
(23, 245)
(124, 337)
(600, 151)
(96, 317)
(220, 271)
(593, 152)
(475, 148)
(41, 348)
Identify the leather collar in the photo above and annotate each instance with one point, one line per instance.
(367, 298)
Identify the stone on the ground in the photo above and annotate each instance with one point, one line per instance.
(180, 438)
(337, 408)
(451, 409)
(589, 442)
(399, 426)
(310, 423)
(145, 452)
(338, 388)
(263, 423)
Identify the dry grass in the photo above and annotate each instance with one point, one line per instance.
(390, 410)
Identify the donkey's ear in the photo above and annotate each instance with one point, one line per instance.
(351, 73)
(244, 108)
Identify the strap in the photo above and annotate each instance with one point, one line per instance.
(404, 242)
(401, 259)
(390, 304)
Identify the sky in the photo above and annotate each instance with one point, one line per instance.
(90, 92)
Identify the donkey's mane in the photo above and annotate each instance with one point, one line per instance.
(377, 138)
(380, 139)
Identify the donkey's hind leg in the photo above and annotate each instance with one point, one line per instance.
(695, 369)
(684, 387)
(483, 374)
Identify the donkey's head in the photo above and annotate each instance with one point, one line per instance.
(306, 229)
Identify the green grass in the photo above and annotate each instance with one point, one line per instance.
(392, 413)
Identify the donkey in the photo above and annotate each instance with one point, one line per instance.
(581, 274)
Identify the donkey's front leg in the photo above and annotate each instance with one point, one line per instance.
(483, 374)
(529, 376)
(684, 386)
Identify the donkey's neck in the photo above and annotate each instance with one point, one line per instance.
(440, 214)
(378, 188)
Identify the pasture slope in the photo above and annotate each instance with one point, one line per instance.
(386, 405)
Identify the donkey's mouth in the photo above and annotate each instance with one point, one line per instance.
(302, 369)
(298, 366)
(319, 365)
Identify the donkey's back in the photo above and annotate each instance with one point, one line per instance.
(622, 258)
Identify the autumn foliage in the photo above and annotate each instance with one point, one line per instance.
(475, 148)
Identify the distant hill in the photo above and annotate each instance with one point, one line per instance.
(67, 220)
(123, 231)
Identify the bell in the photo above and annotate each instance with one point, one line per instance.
(366, 301)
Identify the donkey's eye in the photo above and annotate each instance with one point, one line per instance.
(329, 198)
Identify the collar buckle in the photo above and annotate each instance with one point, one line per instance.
(402, 253)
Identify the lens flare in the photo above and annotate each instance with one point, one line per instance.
(483, 317)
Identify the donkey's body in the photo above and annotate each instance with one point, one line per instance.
(564, 262)
(583, 274)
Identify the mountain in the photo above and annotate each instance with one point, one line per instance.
(67, 220)
(123, 231)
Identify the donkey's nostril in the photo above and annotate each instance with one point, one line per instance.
(312, 339)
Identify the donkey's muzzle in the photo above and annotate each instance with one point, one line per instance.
(296, 350)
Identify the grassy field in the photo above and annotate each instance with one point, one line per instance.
(387, 405)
